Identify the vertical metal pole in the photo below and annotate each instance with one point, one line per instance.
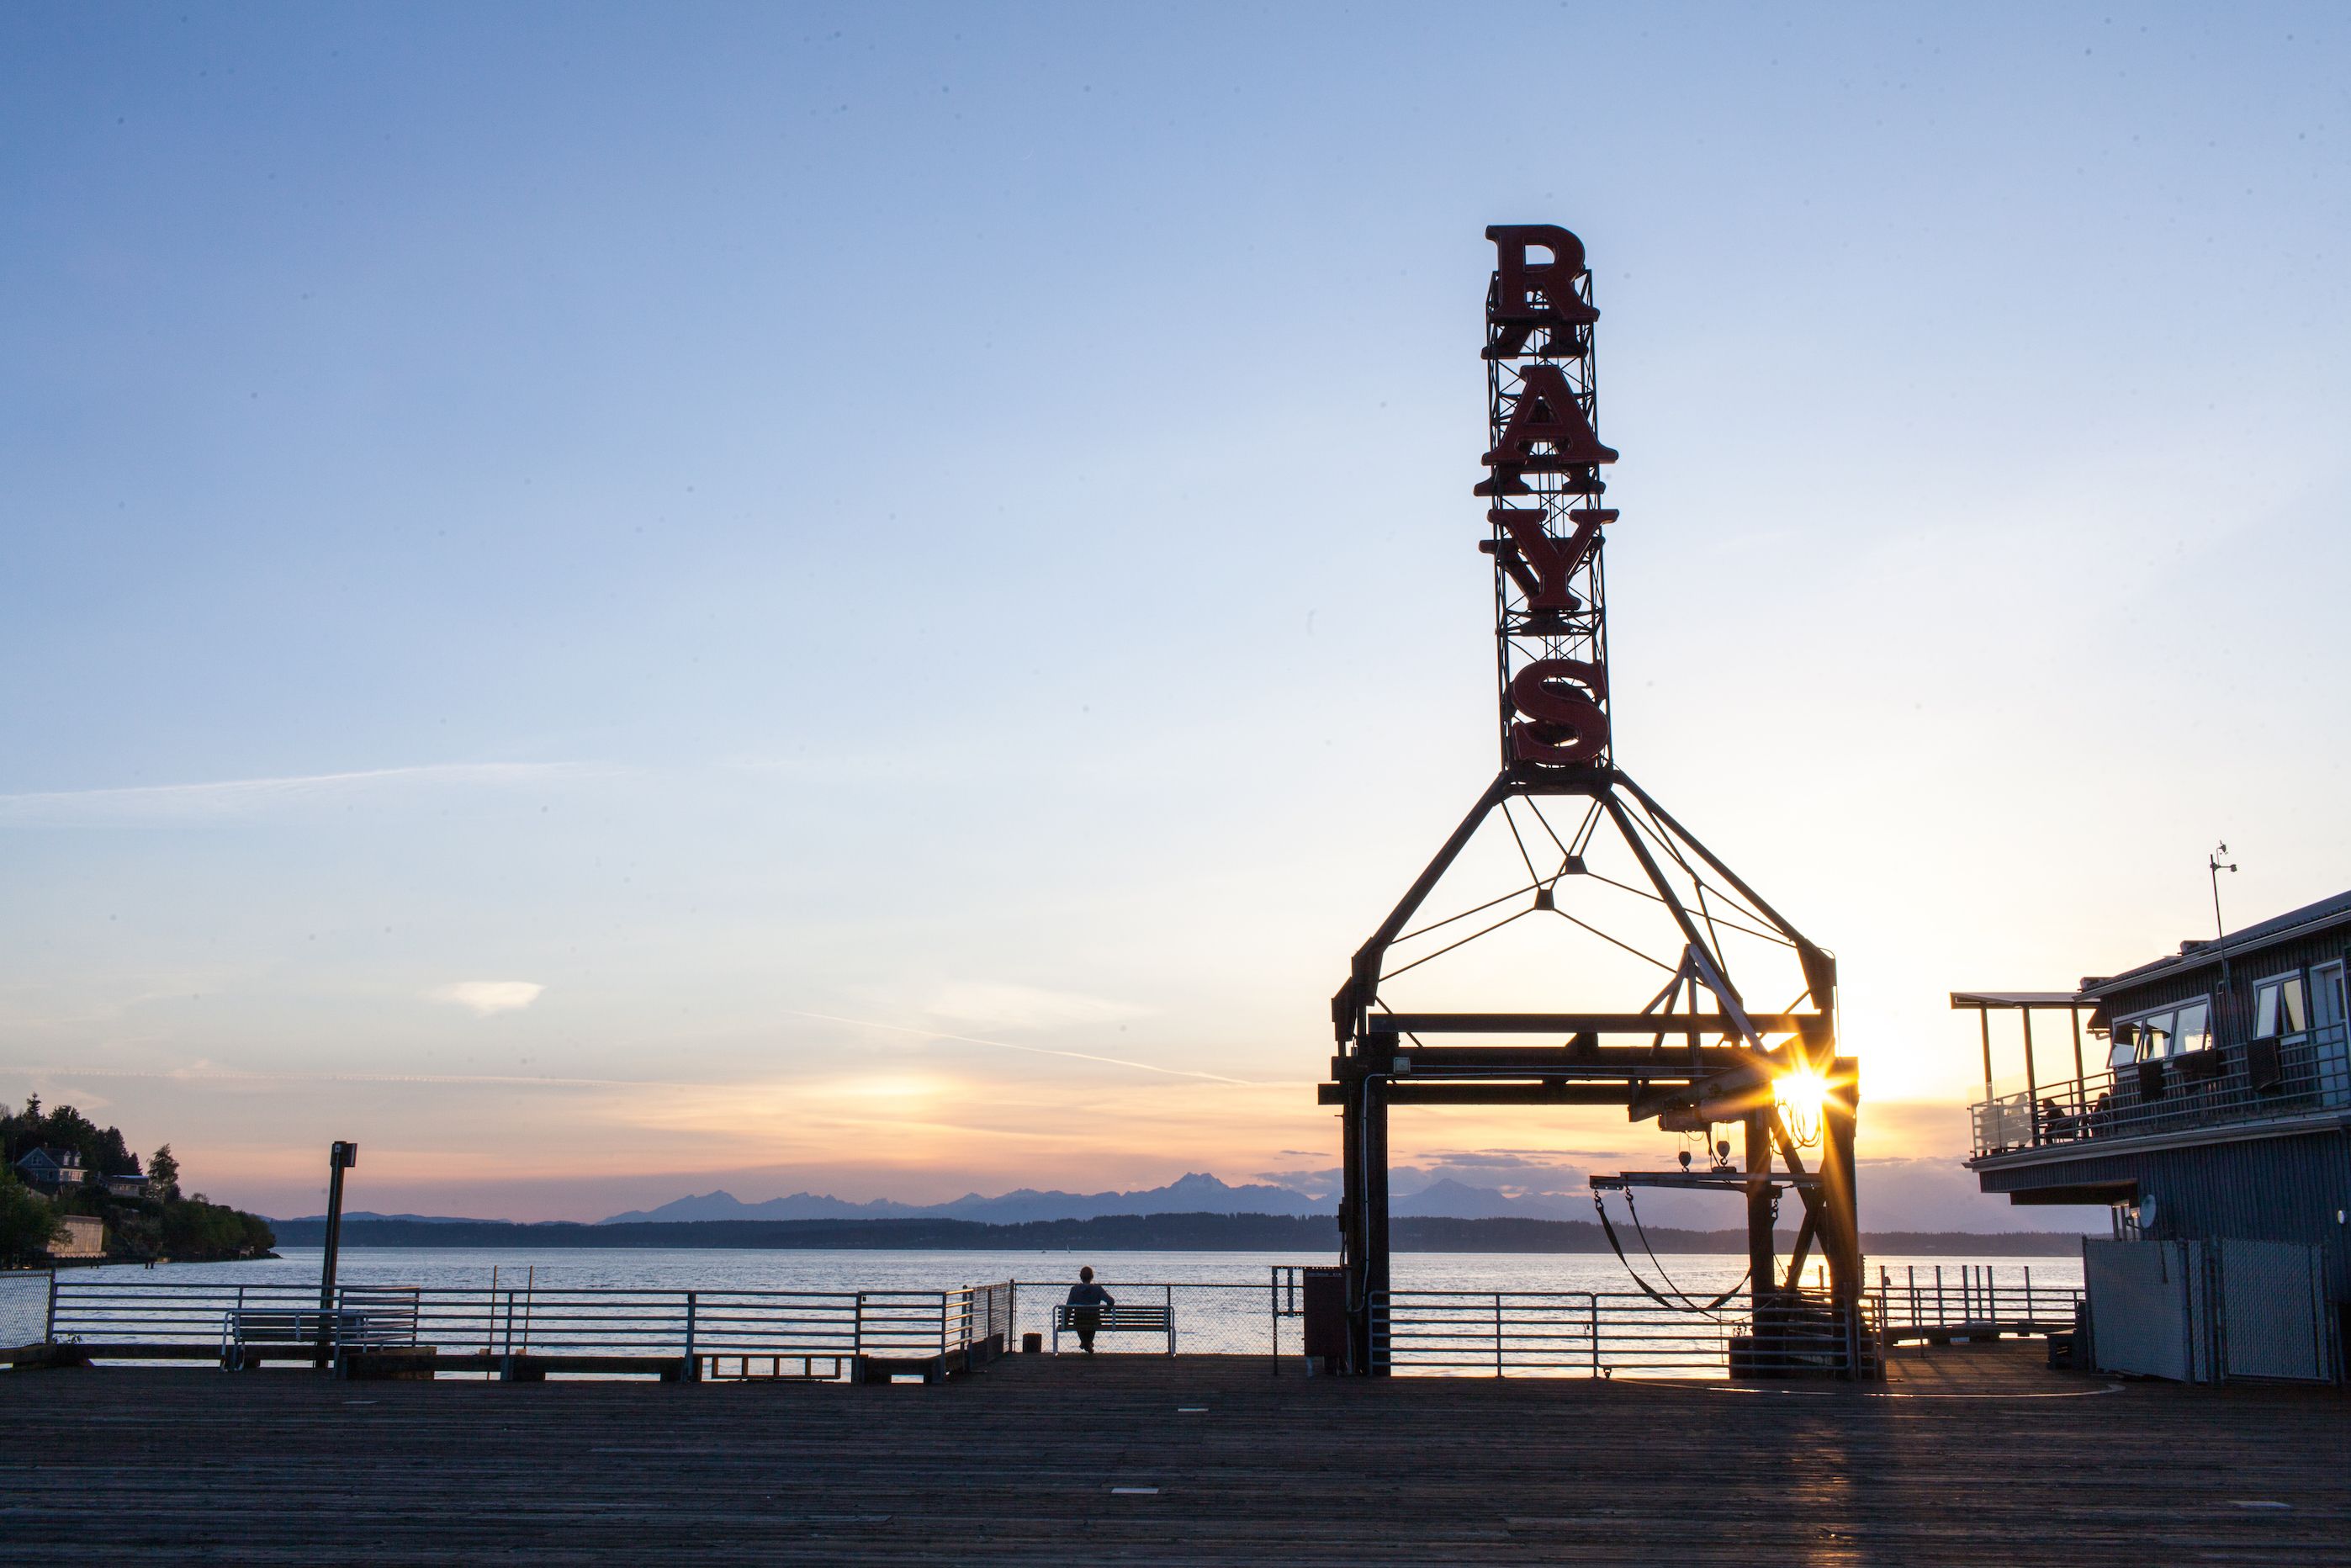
(1376, 1256)
(1763, 1250)
(1351, 1203)
(1365, 1164)
(340, 1157)
(2031, 1081)
(1983, 1019)
(1273, 1313)
(1841, 1235)
(2075, 1013)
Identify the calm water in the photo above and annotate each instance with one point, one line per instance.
(23, 1297)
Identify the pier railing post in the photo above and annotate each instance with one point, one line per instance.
(1497, 1333)
(49, 1319)
(1592, 1308)
(693, 1361)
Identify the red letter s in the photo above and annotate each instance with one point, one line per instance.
(1568, 725)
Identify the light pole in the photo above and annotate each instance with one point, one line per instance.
(340, 1157)
(2216, 866)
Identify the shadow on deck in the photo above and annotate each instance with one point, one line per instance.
(1965, 1455)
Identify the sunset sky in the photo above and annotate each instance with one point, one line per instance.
(613, 601)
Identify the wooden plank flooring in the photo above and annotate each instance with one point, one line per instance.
(1970, 1455)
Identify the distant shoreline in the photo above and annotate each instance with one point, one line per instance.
(1128, 1233)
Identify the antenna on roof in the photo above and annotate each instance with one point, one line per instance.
(2216, 866)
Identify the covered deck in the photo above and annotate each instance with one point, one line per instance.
(2114, 1094)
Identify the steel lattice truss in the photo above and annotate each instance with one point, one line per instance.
(1546, 513)
(1689, 996)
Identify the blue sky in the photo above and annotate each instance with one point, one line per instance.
(957, 519)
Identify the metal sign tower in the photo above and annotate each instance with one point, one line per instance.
(1585, 855)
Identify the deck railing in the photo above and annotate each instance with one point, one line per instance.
(1599, 1333)
(530, 1319)
(1970, 1300)
(1596, 1334)
(2256, 1080)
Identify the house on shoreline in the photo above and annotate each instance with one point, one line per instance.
(52, 1170)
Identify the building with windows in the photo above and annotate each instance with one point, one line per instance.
(52, 1169)
(2205, 1097)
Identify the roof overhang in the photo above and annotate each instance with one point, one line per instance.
(2124, 1190)
(1996, 1000)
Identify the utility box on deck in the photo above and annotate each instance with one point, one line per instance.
(1325, 1311)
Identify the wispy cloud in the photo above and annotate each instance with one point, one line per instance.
(992, 1004)
(487, 996)
(230, 797)
(1042, 1050)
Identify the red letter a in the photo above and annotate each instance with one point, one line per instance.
(1545, 412)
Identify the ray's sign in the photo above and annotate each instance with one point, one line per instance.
(1543, 481)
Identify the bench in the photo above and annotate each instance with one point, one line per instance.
(276, 1332)
(1159, 1318)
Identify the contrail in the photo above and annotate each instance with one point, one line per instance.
(229, 797)
(1036, 1050)
(224, 1075)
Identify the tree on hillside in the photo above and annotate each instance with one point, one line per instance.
(67, 1128)
(27, 1222)
(103, 1152)
(114, 1155)
(163, 1174)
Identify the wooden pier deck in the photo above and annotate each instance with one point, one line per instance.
(1969, 1455)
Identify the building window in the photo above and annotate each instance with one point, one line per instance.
(2278, 1008)
(2155, 1037)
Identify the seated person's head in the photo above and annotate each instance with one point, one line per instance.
(1086, 1275)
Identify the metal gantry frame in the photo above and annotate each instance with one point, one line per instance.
(1695, 1054)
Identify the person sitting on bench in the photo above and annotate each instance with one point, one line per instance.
(1086, 1301)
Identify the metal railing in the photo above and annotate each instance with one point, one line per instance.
(1970, 1300)
(1599, 1333)
(530, 1319)
(2251, 1080)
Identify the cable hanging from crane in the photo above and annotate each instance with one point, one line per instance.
(1684, 1303)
